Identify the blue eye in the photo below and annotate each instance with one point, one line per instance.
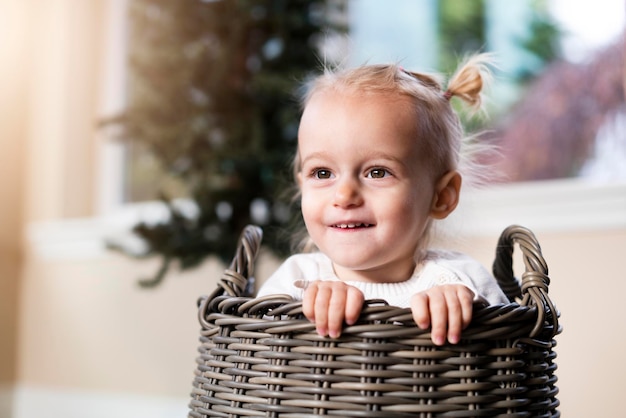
(377, 173)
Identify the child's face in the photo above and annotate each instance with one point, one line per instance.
(366, 191)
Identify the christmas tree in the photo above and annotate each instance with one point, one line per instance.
(212, 97)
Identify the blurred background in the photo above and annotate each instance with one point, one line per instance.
(137, 137)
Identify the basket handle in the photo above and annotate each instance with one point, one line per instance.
(234, 280)
(533, 290)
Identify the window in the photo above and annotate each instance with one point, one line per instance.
(129, 175)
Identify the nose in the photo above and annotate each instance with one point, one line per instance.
(348, 193)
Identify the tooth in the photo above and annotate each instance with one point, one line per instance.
(353, 225)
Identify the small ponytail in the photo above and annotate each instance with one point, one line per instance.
(468, 81)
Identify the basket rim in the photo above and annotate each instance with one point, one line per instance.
(530, 292)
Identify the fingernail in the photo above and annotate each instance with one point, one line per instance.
(321, 331)
(301, 284)
(334, 334)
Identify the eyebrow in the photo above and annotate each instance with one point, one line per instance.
(312, 156)
(325, 155)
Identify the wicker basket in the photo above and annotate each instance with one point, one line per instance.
(261, 357)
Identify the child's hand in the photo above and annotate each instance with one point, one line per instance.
(447, 309)
(329, 304)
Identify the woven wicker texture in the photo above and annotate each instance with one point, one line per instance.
(261, 357)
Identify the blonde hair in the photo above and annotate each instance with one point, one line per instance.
(438, 127)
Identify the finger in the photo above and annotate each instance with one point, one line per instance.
(420, 310)
(438, 317)
(466, 297)
(455, 316)
(308, 301)
(321, 304)
(354, 305)
(336, 311)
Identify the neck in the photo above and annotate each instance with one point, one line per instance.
(398, 272)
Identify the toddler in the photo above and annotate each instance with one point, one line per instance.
(379, 151)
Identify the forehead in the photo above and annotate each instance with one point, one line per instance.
(337, 95)
(345, 115)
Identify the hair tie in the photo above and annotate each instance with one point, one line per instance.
(447, 95)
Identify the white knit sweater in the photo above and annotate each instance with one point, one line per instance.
(437, 267)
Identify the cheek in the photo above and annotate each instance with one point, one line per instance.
(309, 206)
(408, 212)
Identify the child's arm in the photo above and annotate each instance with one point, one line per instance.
(447, 309)
(329, 304)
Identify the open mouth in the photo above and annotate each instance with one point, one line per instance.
(352, 225)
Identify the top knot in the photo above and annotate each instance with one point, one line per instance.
(468, 81)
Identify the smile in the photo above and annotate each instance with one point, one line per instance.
(352, 225)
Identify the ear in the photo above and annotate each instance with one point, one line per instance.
(299, 178)
(446, 196)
